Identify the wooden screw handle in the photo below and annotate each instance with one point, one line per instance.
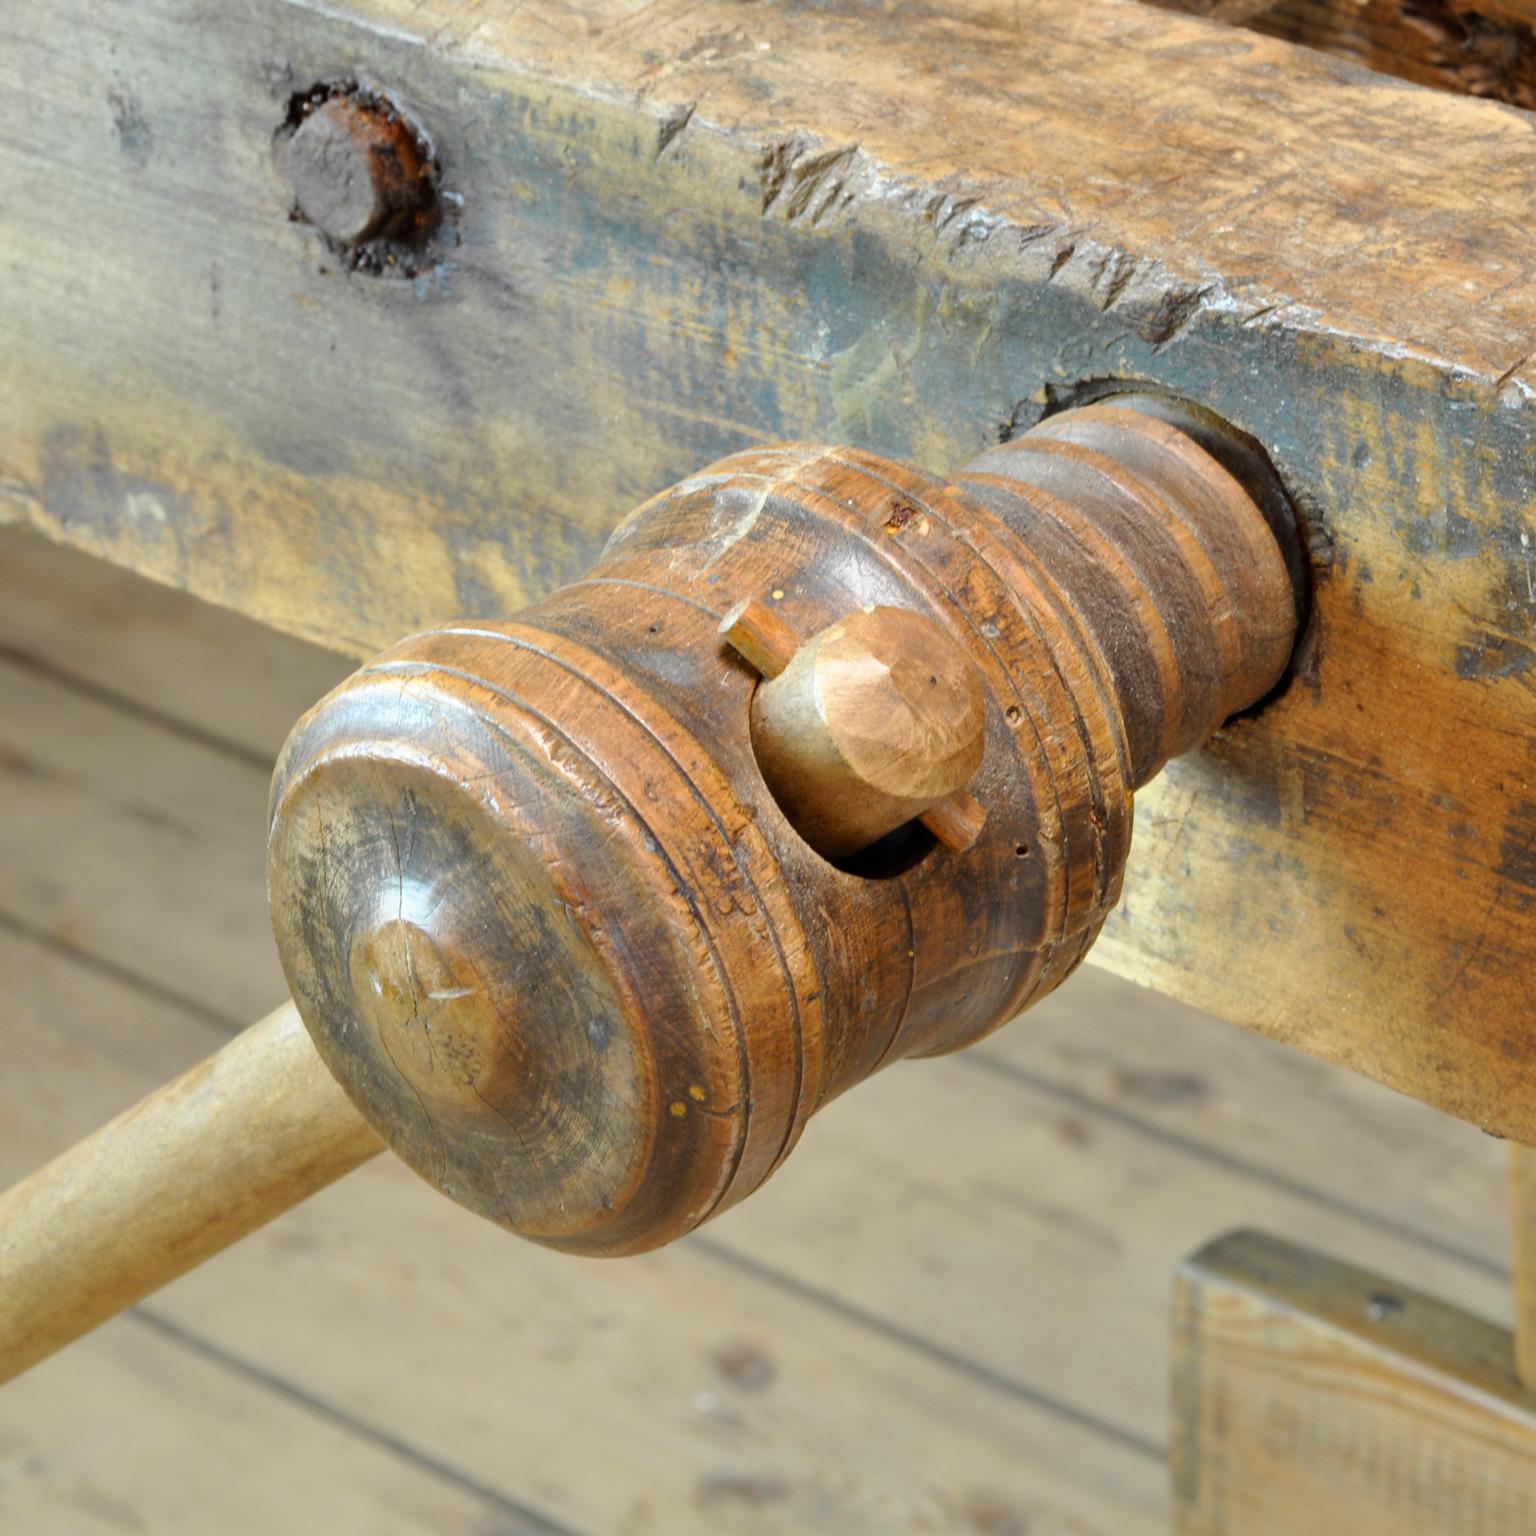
(532, 880)
(541, 913)
(204, 1160)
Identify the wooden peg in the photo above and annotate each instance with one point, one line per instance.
(956, 820)
(903, 739)
(876, 720)
(759, 636)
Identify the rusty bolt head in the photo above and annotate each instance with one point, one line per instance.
(356, 171)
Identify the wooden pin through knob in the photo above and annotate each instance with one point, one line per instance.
(875, 721)
(759, 636)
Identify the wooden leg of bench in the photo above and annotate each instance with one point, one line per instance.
(1522, 1230)
(1313, 1397)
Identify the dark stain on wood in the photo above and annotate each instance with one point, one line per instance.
(1493, 656)
(745, 1365)
(135, 138)
(1150, 1086)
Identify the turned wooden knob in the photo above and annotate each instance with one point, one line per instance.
(556, 895)
(871, 723)
(553, 894)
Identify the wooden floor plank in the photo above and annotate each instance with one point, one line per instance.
(1263, 1108)
(953, 1298)
(138, 845)
(83, 619)
(131, 1432)
(989, 1218)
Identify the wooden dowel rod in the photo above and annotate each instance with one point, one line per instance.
(204, 1160)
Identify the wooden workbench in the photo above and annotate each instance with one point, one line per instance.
(676, 229)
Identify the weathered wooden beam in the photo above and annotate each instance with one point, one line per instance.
(1311, 1396)
(677, 229)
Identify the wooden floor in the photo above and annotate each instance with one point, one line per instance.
(947, 1314)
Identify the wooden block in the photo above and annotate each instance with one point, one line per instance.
(1312, 1396)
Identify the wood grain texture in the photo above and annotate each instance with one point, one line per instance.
(78, 624)
(136, 1432)
(193, 1167)
(1309, 1395)
(702, 229)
